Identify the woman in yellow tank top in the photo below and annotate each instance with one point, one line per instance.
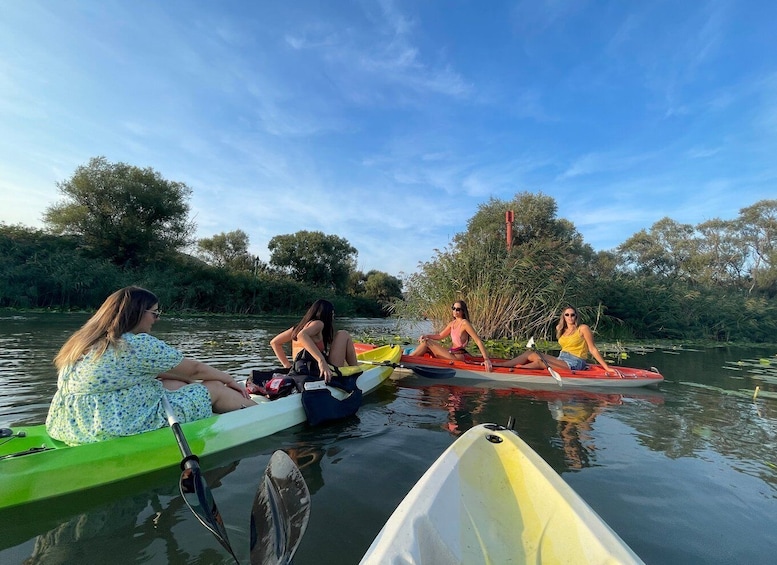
(576, 341)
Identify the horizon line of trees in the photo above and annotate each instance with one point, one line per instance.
(119, 224)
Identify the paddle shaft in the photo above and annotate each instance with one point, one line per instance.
(180, 438)
(553, 373)
(192, 482)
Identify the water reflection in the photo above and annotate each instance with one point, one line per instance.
(701, 419)
(136, 524)
(687, 473)
(308, 459)
(566, 423)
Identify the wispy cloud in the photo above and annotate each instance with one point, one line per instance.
(388, 123)
(595, 163)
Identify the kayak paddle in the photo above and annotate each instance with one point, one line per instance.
(433, 372)
(553, 373)
(194, 489)
(428, 372)
(280, 512)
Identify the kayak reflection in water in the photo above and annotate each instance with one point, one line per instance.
(142, 524)
(113, 374)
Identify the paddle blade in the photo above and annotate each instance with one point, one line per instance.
(280, 512)
(553, 373)
(199, 499)
(434, 372)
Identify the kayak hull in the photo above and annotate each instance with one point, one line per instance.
(594, 376)
(61, 469)
(489, 499)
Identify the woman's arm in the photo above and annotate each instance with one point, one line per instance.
(277, 346)
(476, 338)
(585, 331)
(191, 370)
(173, 377)
(437, 337)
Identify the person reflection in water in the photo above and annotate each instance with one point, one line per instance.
(575, 422)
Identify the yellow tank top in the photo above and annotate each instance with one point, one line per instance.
(574, 344)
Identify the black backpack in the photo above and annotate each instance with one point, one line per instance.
(303, 377)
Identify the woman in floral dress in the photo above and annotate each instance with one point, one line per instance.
(113, 374)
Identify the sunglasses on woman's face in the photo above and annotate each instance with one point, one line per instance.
(455, 308)
(570, 315)
(155, 313)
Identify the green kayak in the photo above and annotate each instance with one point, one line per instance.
(491, 499)
(34, 466)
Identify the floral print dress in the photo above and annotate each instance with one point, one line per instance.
(118, 394)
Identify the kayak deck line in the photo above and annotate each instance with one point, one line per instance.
(28, 451)
(489, 498)
(29, 457)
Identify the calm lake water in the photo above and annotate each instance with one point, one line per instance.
(684, 474)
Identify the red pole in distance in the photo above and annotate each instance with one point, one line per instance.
(509, 216)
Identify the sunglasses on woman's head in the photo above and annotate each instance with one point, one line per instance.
(456, 308)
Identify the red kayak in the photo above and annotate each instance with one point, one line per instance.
(472, 368)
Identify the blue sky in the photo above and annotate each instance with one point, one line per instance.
(388, 122)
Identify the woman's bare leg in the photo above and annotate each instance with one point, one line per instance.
(536, 362)
(225, 399)
(420, 350)
(342, 352)
(439, 351)
(520, 361)
(172, 384)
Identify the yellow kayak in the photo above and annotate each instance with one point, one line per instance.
(491, 499)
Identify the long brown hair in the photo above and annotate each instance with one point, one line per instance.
(320, 310)
(464, 309)
(562, 323)
(120, 313)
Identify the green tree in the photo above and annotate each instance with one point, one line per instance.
(356, 282)
(375, 284)
(666, 250)
(757, 225)
(382, 286)
(227, 251)
(123, 213)
(534, 222)
(510, 293)
(314, 258)
(722, 253)
(43, 270)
